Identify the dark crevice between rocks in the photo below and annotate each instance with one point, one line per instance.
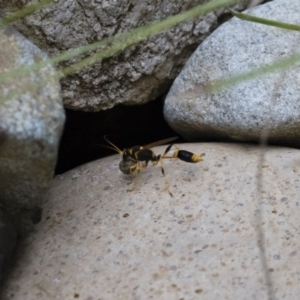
(125, 126)
(8, 239)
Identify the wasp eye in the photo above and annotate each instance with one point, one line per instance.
(125, 154)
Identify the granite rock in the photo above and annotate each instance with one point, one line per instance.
(137, 75)
(241, 112)
(105, 237)
(31, 122)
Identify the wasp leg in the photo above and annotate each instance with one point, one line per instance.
(167, 185)
(134, 172)
(161, 164)
(130, 167)
(164, 156)
(138, 168)
(168, 149)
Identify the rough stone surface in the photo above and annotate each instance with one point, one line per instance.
(139, 74)
(31, 121)
(242, 111)
(99, 240)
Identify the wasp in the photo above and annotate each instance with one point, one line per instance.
(137, 158)
(132, 157)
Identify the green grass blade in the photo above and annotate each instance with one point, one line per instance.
(280, 65)
(120, 41)
(24, 12)
(264, 21)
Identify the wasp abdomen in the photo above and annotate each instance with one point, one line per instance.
(188, 156)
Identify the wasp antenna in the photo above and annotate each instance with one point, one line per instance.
(111, 148)
(114, 147)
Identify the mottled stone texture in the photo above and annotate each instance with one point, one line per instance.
(240, 112)
(31, 121)
(103, 237)
(137, 75)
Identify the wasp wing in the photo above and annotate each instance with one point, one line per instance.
(161, 142)
(148, 146)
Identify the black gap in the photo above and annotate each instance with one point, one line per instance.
(125, 126)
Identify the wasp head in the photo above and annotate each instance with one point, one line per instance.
(126, 154)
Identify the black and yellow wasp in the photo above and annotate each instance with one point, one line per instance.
(137, 158)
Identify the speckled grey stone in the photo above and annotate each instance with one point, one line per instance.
(241, 112)
(103, 238)
(31, 122)
(139, 74)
